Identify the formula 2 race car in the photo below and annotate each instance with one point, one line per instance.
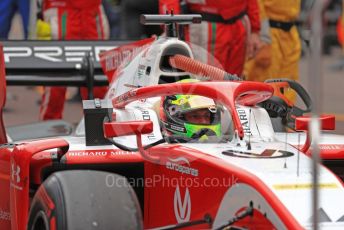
(120, 171)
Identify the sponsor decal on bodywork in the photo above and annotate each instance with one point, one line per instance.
(147, 117)
(55, 54)
(99, 153)
(15, 176)
(116, 59)
(5, 215)
(304, 186)
(141, 69)
(125, 96)
(175, 165)
(331, 147)
(267, 153)
(244, 121)
(182, 208)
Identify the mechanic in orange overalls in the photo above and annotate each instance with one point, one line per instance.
(69, 20)
(279, 56)
(228, 28)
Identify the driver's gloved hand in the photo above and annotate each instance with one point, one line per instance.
(202, 132)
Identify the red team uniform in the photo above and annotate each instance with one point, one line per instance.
(224, 30)
(71, 20)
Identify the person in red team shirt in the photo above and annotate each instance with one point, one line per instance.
(71, 20)
(229, 30)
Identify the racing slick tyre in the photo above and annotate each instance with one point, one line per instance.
(84, 199)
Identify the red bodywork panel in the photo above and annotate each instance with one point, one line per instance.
(23, 165)
(20, 180)
(327, 122)
(113, 61)
(329, 151)
(163, 182)
(5, 172)
(116, 129)
(5, 216)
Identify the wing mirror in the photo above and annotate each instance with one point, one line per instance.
(117, 129)
(327, 122)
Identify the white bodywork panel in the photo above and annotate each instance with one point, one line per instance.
(136, 73)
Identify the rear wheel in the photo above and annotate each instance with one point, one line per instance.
(82, 199)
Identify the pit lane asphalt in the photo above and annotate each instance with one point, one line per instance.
(22, 105)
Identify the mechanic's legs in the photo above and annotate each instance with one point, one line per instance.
(52, 103)
(254, 71)
(230, 46)
(287, 64)
(24, 9)
(225, 44)
(7, 10)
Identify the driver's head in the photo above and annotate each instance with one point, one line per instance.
(198, 116)
(191, 116)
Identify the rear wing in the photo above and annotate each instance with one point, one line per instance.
(50, 63)
(55, 63)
